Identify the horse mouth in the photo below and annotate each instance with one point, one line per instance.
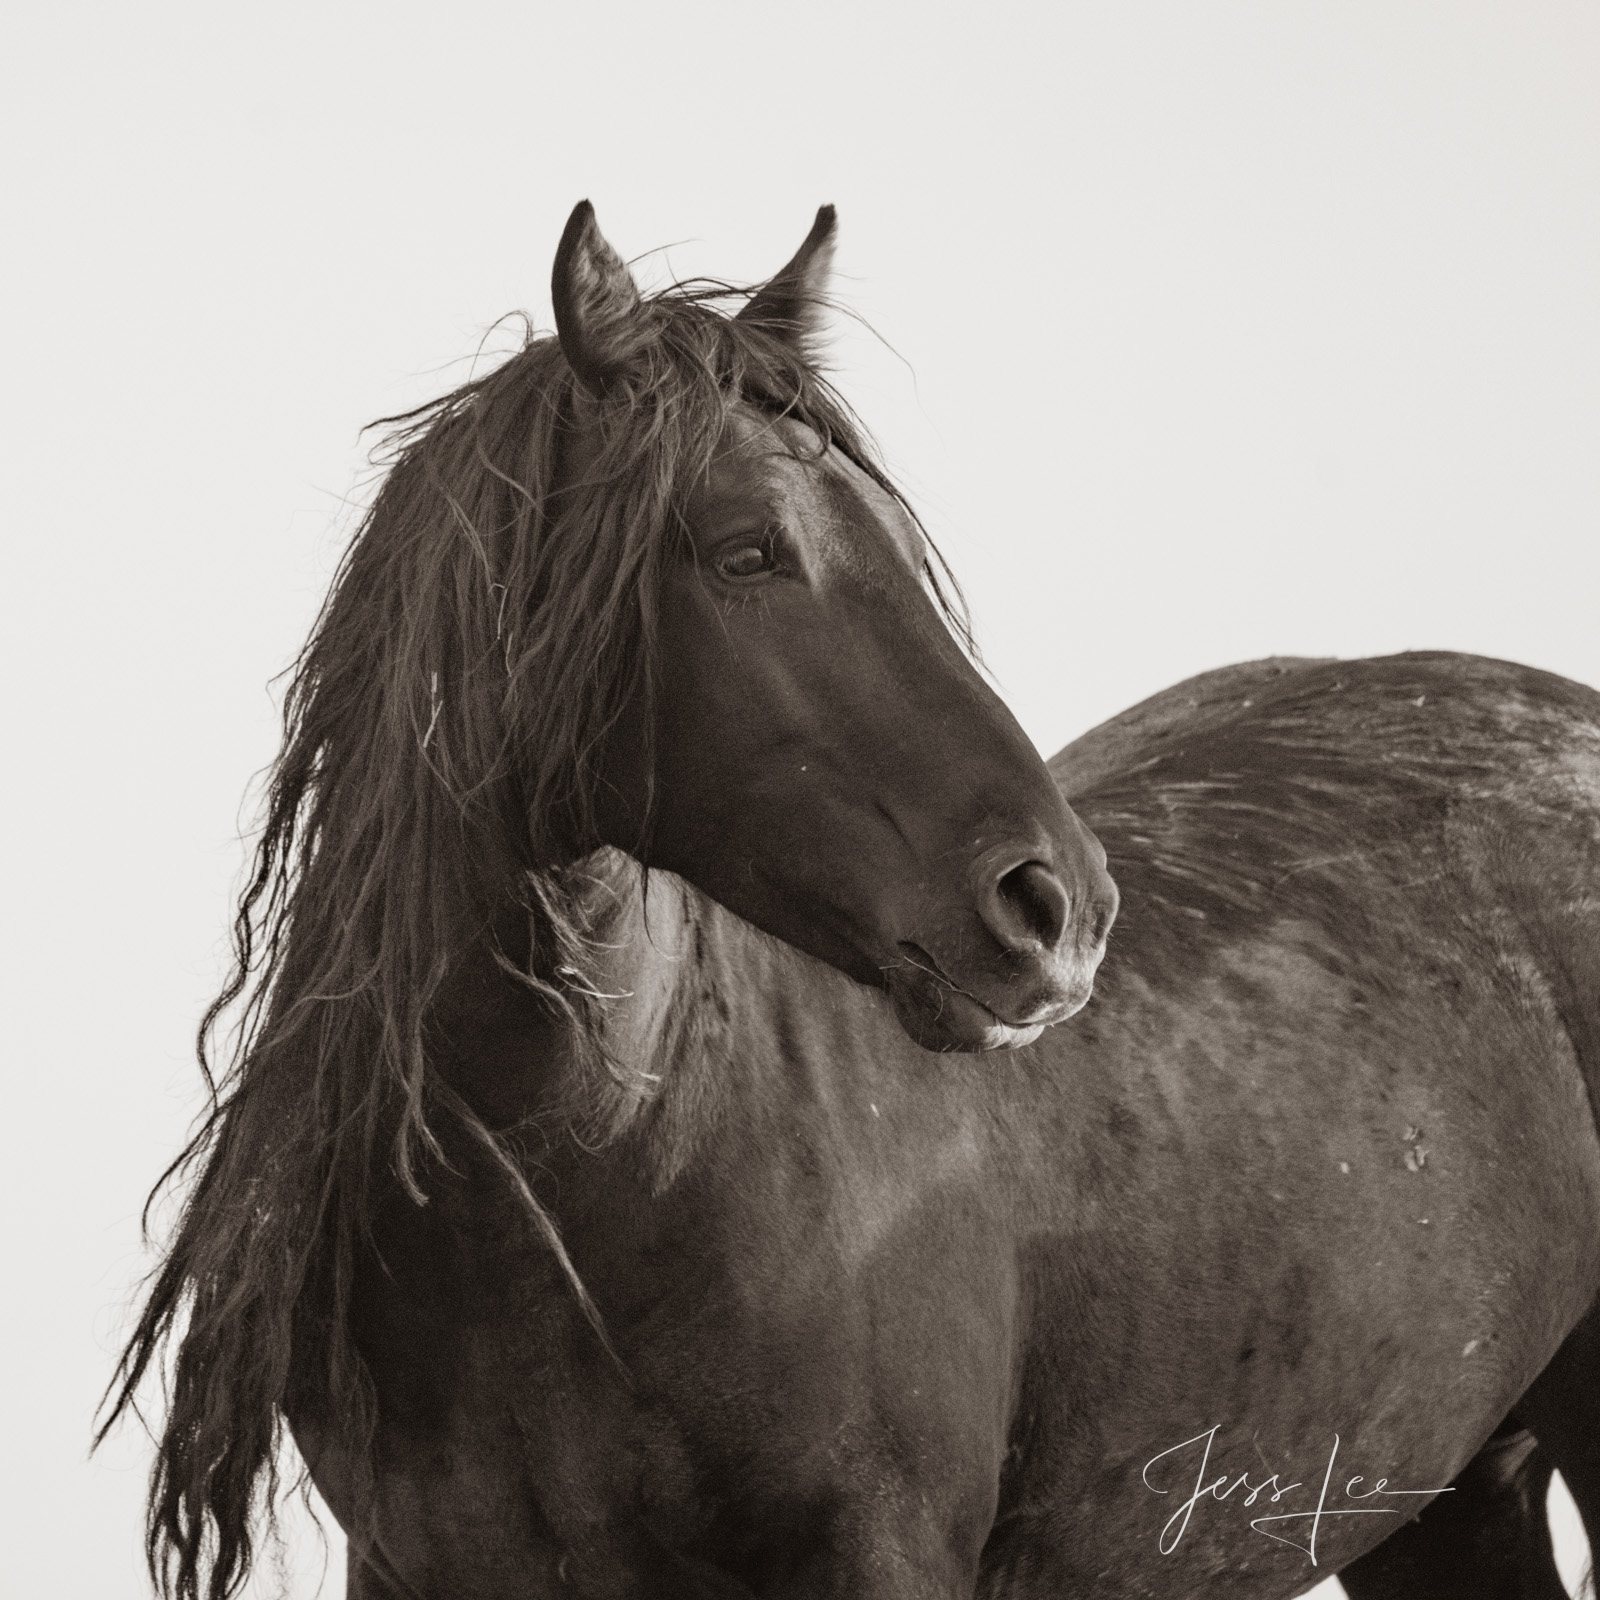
(940, 1015)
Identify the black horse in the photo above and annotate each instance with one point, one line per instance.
(607, 1188)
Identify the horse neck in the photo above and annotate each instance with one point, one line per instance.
(515, 1056)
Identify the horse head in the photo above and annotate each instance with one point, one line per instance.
(814, 747)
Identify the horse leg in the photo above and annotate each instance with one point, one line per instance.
(363, 1583)
(1486, 1539)
(1563, 1409)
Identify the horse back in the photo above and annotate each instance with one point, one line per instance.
(1342, 771)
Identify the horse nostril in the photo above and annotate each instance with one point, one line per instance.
(1033, 906)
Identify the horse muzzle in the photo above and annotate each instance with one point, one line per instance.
(1019, 955)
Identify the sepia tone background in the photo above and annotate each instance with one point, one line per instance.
(1202, 332)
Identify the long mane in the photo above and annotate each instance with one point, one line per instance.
(442, 733)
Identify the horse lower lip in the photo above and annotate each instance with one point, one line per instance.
(948, 1020)
(949, 991)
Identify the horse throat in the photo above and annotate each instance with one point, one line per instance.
(582, 1043)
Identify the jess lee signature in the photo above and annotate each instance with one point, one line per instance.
(1220, 1488)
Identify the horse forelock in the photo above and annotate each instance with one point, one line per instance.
(442, 733)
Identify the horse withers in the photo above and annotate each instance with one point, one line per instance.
(668, 1151)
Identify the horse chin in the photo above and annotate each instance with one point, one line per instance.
(947, 1020)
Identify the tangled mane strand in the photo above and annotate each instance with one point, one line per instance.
(442, 733)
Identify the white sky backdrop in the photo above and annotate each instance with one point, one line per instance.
(1227, 328)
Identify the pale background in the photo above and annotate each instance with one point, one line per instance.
(1227, 329)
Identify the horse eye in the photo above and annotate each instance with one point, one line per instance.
(748, 561)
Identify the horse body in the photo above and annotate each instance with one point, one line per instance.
(609, 1185)
(1318, 1160)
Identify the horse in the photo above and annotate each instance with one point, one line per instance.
(668, 1146)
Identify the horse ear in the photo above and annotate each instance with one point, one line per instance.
(791, 305)
(599, 314)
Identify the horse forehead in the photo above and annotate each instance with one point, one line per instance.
(780, 465)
